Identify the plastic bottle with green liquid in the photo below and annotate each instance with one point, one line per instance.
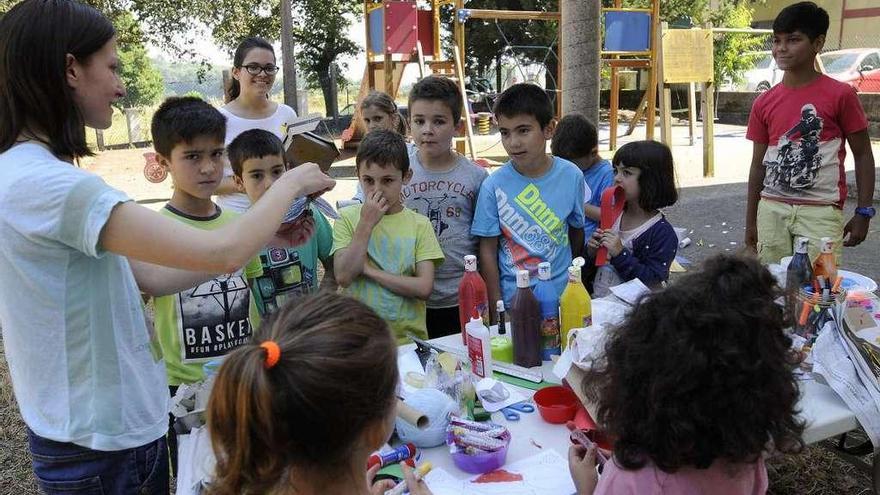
(574, 305)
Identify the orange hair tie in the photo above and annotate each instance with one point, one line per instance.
(273, 353)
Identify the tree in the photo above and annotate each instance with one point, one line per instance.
(143, 82)
(580, 26)
(729, 48)
(487, 40)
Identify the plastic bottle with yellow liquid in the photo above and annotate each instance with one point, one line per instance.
(575, 309)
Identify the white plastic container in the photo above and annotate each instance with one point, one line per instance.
(479, 345)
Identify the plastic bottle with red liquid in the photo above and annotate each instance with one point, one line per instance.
(525, 323)
(825, 266)
(471, 296)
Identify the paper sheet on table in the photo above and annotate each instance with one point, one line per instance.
(545, 473)
(509, 394)
(631, 291)
(833, 363)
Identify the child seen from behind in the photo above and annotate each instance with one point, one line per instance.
(290, 260)
(696, 388)
(318, 388)
(443, 187)
(385, 254)
(641, 244)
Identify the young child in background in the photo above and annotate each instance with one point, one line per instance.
(188, 137)
(288, 383)
(443, 187)
(385, 254)
(642, 244)
(249, 107)
(797, 185)
(576, 140)
(379, 111)
(290, 260)
(532, 209)
(696, 397)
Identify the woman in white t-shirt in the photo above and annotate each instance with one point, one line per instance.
(76, 253)
(249, 107)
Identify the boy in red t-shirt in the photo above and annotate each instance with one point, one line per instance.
(797, 184)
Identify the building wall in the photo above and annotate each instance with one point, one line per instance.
(860, 18)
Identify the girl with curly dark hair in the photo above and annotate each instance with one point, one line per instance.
(696, 388)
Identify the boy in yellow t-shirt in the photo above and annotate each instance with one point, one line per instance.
(385, 254)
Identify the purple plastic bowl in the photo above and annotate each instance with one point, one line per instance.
(482, 463)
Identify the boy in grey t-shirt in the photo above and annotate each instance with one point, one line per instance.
(444, 188)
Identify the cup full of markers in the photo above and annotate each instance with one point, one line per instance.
(815, 301)
(477, 447)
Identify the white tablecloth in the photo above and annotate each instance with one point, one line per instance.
(825, 412)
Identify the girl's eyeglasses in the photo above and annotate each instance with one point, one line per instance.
(254, 69)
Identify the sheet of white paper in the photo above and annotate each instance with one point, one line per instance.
(563, 364)
(630, 291)
(508, 395)
(831, 362)
(545, 473)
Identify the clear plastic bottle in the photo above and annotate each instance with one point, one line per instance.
(798, 274)
(479, 347)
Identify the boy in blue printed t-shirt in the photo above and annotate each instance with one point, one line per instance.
(577, 141)
(531, 210)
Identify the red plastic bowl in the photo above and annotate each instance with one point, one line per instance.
(556, 404)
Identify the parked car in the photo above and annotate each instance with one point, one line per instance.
(764, 75)
(858, 67)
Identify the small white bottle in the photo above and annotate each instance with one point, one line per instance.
(479, 347)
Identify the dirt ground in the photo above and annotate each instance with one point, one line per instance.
(815, 471)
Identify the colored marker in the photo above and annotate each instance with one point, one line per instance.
(579, 437)
(420, 473)
(400, 454)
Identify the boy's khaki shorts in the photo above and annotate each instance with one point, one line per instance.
(779, 223)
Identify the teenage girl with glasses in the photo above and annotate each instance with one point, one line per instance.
(249, 107)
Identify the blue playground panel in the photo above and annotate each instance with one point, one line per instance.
(627, 31)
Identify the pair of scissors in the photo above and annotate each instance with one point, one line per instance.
(511, 412)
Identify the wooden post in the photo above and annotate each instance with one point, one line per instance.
(613, 104)
(692, 111)
(651, 111)
(287, 57)
(469, 126)
(708, 102)
(458, 27)
(665, 92)
(388, 68)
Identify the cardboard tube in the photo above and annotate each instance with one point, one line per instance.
(412, 416)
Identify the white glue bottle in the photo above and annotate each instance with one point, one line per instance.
(479, 347)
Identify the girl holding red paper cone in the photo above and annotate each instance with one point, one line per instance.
(636, 241)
